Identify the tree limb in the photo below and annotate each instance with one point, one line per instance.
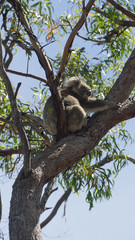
(45, 63)
(122, 9)
(68, 45)
(12, 99)
(48, 191)
(11, 151)
(26, 75)
(109, 159)
(36, 119)
(72, 148)
(58, 204)
(1, 4)
(116, 20)
(125, 82)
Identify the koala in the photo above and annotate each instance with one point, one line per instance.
(78, 102)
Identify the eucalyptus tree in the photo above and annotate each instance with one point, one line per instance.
(75, 161)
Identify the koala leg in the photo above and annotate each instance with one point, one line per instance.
(76, 117)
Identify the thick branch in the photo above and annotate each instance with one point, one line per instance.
(11, 151)
(15, 113)
(125, 82)
(58, 204)
(122, 9)
(72, 35)
(72, 148)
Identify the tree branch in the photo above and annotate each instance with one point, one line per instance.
(72, 148)
(45, 63)
(118, 21)
(67, 49)
(48, 191)
(58, 204)
(36, 119)
(122, 9)
(11, 151)
(35, 127)
(109, 159)
(1, 4)
(125, 82)
(26, 75)
(131, 159)
(15, 113)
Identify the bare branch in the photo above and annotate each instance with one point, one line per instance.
(8, 52)
(26, 75)
(48, 191)
(131, 159)
(21, 131)
(1, 4)
(17, 89)
(36, 119)
(67, 49)
(58, 204)
(122, 9)
(109, 159)
(44, 61)
(35, 127)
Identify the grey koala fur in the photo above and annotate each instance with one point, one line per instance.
(78, 102)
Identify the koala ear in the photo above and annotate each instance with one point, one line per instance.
(77, 83)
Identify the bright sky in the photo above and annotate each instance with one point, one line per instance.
(108, 220)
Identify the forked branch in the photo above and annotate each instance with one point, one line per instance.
(68, 45)
(58, 204)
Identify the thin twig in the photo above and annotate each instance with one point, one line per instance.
(26, 75)
(17, 89)
(48, 191)
(109, 159)
(58, 204)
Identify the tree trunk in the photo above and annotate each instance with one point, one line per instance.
(25, 210)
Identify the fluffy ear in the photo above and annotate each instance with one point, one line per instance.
(74, 82)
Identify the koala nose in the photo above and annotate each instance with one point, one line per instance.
(89, 92)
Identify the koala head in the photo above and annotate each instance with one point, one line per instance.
(79, 87)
